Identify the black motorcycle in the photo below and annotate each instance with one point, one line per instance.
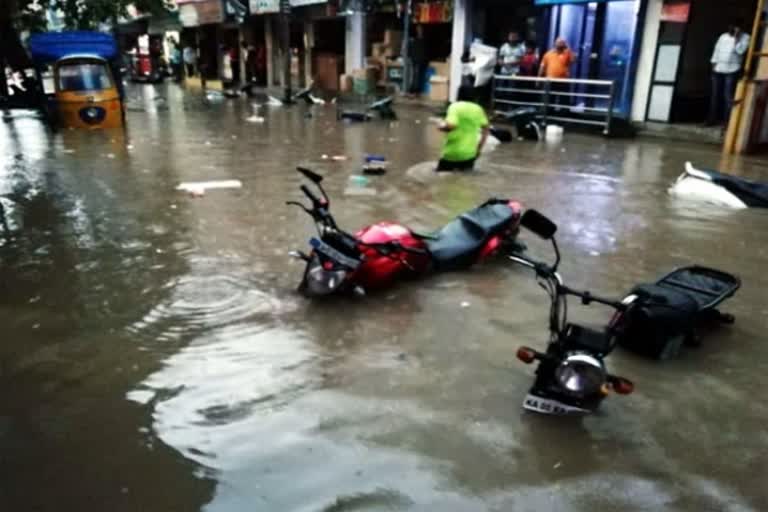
(652, 319)
(571, 377)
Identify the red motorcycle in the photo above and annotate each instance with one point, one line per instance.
(379, 254)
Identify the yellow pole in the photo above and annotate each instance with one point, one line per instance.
(741, 90)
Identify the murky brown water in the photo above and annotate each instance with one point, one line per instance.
(155, 357)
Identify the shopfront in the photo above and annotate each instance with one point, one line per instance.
(603, 35)
(200, 20)
(681, 36)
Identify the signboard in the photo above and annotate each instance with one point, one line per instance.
(188, 15)
(301, 3)
(676, 12)
(264, 6)
(200, 12)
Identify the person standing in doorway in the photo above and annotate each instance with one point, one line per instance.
(466, 127)
(727, 59)
(529, 64)
(175, 61)
(190, 59)
(556, 64)
(511, 54)
(234, 62)
(417, 54)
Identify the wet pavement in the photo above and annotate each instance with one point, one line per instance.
(155, 356)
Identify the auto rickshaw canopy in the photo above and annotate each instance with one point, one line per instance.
(49, 47)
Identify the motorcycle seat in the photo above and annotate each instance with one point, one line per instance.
(458, 243)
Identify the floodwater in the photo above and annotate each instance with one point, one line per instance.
(155, 357)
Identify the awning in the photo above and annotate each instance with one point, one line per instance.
(134, 26)
(159, 25)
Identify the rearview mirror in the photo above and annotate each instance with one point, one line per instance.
(539, 224)
(311, 176)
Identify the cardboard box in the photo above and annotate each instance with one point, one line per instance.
(345, 83)
(377, 50)
(393, 39)
(438, 88)
(391, 51)
(441, 68)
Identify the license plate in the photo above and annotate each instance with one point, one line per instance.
(328, 251)
(548, 406)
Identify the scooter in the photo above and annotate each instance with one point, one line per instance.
(571, 377)
(526, 121)
(720, 189)
(383, 107)
(379, 254)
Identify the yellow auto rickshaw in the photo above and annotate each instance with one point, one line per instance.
(87, 89)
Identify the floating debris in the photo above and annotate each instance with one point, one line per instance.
(198, 188)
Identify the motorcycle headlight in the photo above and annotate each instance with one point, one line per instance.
(322, 281)
(581, 374)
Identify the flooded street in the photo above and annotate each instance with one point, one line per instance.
(155, 355)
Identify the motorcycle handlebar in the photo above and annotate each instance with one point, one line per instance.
(312, 197)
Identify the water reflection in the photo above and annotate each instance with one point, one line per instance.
(155, 338)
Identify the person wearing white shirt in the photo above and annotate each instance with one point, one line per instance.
(727, 59)
(511, 53)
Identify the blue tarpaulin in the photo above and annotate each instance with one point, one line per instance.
(52, 46)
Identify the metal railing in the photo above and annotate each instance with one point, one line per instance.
(577, 101)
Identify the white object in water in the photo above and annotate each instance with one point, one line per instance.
(491, 143)
(359, 191)
(697, 185)
(199, 187)
(274, 102)
(554, 133)
(255, 119)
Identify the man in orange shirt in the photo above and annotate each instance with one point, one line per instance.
(556, 64)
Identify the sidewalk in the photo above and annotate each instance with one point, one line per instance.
(682, 132)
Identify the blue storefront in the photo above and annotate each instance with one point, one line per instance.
(605, 37)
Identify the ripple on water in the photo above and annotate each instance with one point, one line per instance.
(195, 303)
(215, 391)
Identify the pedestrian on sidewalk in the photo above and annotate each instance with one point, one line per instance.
(727, 59)
(175, 60)
(466, 127)
(190, 59)
(556, 64)
(529, 64)
(511, 53)
(234, 62)
(417, 54)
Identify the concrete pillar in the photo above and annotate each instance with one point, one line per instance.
(462, 35)
(243, 38)
(269, 49)
(272, 43)
(354, 57)
(649, 41)
(309, 44)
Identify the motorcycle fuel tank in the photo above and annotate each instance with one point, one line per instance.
(379, 268)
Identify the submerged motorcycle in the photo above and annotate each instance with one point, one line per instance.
(720, 189)
(571, 377)
(653, 319)
(379, 254)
